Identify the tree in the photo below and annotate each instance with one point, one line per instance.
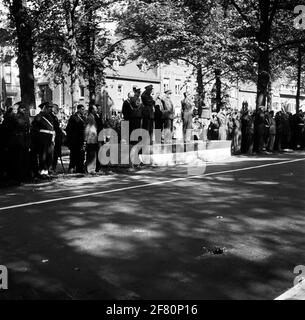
(77, 36)
(293, 68)
(162, 32)
(21, 19)
(56, 41)
(196, 32)
(265, 24)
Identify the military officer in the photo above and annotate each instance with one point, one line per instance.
(43, 132)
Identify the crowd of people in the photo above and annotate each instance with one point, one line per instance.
(259, 131)
(33, 148)
(29, 148)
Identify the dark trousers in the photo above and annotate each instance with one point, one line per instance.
(77, 159)
(271, 141)
(159, 123)
(168, 124)
(18, 162)
(299, 136)
(168, 130)
(45, 156)
(3, 162)
(56, 155)
(148, 124)
(34, 160)
(134, 123)
(249, 143)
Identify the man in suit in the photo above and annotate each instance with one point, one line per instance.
(127, 107)
(99, 118)
(17, 127)
(159, 109)
(130, 112)
(75, 140)
(148, 110)
(136, 103)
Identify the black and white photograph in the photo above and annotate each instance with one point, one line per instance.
(152, 153)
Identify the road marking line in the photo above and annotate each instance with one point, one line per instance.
(28, 204)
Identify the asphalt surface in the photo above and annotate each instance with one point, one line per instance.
(235, 232)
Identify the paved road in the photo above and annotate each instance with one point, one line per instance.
(150, 234)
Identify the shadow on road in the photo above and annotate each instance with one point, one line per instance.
(156, 242)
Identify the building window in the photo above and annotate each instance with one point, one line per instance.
(165, 84)
(177, 87)
(46, 93)
(8, 73)
(275, 105)
(120, 90)
(82, 91)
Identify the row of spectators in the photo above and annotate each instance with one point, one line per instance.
(258, 131)
(33, 149)
(29, 148)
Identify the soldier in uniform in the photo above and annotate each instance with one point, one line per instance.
(43, 131)
(159, 109)
(148, 110)
(136, 114)
(58, 137)
(75, 140)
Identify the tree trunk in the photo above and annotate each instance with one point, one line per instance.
(92, 87)
(90, 40)
(200, 90)
(299, 79)
(263, 39)
(218, 90)
(73, 90)
(70, 7)
(269, 96)
(25, 53)
(200, 87)
(263, 78)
